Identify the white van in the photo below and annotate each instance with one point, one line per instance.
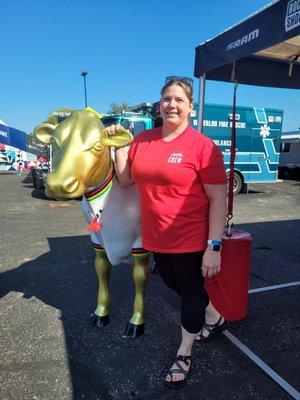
(289, 159)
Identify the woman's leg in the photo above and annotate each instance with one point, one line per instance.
(187, 267)
(212, 316)
(164, 266)
(185, 349)
(187, 270)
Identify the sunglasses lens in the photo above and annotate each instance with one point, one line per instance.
(184, 79)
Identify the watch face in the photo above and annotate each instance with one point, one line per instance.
(216, 247)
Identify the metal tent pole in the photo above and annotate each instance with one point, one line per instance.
(202, 82)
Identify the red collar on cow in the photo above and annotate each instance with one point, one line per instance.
(99, 190)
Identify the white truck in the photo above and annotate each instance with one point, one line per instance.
(289, 159)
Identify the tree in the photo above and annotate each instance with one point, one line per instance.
(118, 108)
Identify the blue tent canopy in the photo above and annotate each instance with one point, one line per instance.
(12, 137)
(263, 49)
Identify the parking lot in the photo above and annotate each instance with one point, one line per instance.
(48, 290)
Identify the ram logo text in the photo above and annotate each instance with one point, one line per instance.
(243, 40)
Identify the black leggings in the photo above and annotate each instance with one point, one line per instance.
(182, 273)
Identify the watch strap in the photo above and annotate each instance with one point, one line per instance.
(215, 245)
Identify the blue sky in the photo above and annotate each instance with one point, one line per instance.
(128, 48)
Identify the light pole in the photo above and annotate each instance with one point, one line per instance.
(84, 74)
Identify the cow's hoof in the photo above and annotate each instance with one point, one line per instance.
(98, 321)
(134, 330)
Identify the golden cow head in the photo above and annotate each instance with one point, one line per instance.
(81, 153)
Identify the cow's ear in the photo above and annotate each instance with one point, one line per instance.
(44, 132)
(120, 138)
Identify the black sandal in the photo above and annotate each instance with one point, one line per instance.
(179, 370)
(212, 329)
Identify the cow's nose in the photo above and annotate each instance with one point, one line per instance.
(70, 185)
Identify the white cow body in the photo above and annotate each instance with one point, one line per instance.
(120, 221)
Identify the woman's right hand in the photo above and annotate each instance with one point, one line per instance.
(121, 163)
(113, 129)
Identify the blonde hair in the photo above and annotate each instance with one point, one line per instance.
(185, 86)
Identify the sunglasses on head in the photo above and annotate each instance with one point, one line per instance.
(184, 79)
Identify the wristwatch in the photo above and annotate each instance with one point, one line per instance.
(215, 245)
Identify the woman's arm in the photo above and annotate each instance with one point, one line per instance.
(122, 165)
(216, 194)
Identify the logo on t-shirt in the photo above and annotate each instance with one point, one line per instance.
(175, 158)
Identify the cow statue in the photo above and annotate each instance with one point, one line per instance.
(83, 166)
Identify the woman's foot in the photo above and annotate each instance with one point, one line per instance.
(209, 330)
(177, 375)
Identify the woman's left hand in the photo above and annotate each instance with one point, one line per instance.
(211, 263)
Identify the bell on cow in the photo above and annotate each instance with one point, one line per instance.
(95, 225)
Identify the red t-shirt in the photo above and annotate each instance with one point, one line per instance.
(169, 177)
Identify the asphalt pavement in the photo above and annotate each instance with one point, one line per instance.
(49, 287)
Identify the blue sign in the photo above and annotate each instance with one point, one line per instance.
(12, 137)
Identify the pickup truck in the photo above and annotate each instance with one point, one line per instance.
(141, 117)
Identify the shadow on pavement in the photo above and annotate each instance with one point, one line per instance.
(64, 278)
(104, 365)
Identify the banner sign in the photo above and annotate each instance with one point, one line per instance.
(12, 137)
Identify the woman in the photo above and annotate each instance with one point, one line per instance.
(182, 184)
(20, 163)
